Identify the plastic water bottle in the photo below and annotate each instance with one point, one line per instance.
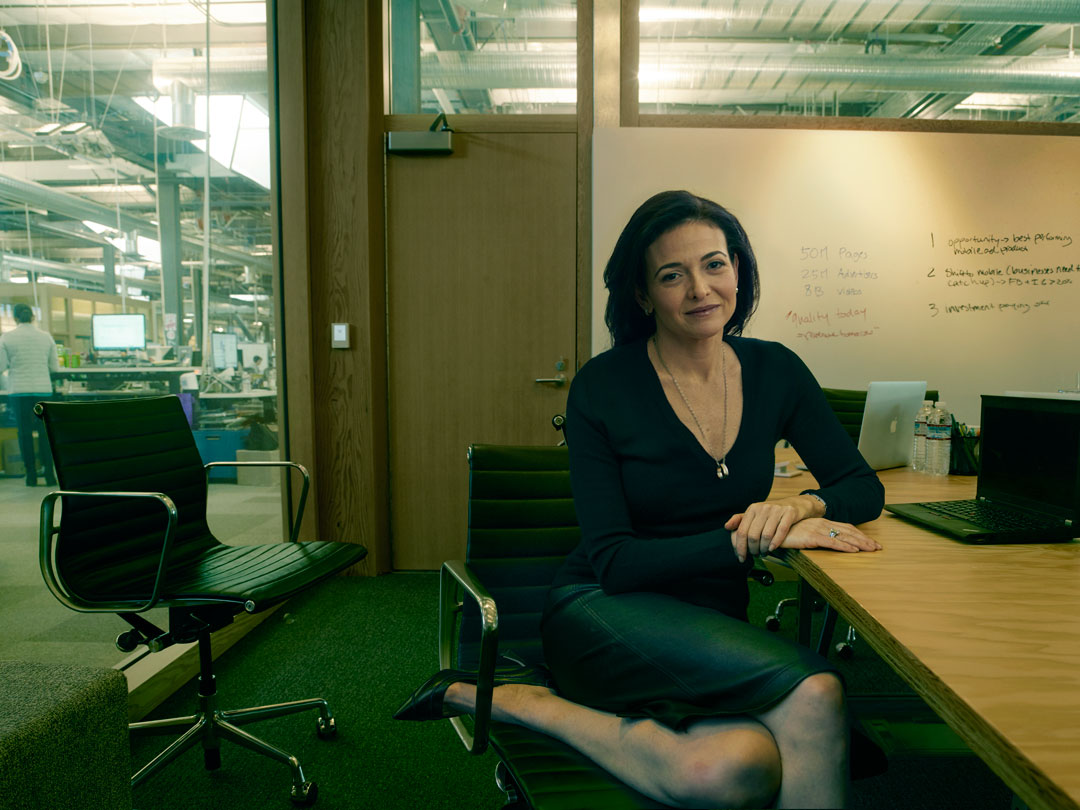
(939, 440)
(918, 450)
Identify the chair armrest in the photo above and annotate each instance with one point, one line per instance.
(455, 581)
(295, 532)
(47, 553)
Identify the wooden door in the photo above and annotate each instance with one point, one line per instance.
(480, 303)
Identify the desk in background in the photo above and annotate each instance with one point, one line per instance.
(222, 423)
(103, 381)
(240, 403)
(988, 636)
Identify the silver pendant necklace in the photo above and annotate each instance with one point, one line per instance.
(721, 463)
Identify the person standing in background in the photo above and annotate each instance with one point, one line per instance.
(29, 355)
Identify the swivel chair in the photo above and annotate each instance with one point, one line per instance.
(521, 524)
(133, 536)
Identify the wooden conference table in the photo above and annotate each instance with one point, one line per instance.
(988, 636)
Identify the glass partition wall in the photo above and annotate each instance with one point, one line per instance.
(483, 56)
(135, 222)
(984, 60)
(978, 59)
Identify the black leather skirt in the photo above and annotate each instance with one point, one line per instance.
(653, 655)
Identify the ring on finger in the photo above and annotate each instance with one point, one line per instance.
(833, 533)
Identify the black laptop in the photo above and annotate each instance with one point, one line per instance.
(1029, 476)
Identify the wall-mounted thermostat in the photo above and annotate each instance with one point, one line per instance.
(339, 336)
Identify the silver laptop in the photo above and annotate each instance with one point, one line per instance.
(888, 424)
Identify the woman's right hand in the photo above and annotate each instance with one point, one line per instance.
(821, 533)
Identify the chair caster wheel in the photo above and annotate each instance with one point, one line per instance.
(505, 782)
(128, 640)
(845, 650)
(212, 758)
(326, 729)
(304, 794)
(772, 623)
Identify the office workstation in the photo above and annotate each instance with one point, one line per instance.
(889, 249)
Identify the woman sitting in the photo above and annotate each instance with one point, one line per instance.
(659, 678)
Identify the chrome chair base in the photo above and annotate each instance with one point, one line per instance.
(211, 725)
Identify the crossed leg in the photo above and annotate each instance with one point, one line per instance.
(793, 755)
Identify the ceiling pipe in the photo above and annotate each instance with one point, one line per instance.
(223, 304)
(461, 71)
(70, 272)
(27, 192)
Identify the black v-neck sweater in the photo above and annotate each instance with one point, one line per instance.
(650, 506)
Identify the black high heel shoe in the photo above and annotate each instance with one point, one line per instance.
(426, 703)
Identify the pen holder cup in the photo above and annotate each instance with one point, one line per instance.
(964, 454)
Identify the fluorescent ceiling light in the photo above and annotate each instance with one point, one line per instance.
(97, 227)
(71, 129)
(249, 297)
(47, 129)
(534, 95)
(131, 271)
(672, 14)
(996, 101)
(148, 248)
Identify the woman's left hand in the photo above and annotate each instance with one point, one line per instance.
(764, 525)
(822, 533)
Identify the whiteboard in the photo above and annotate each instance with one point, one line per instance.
(953, 258)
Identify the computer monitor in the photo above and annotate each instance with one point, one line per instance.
(223, 350)
(249, 351)
(117, 333)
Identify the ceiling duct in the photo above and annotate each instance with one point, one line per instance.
(477, 70)
(228, 74)
(183, 115)
(1039, 12)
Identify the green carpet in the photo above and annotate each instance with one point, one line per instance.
(364, 644)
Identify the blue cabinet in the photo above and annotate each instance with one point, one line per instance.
(220, 445)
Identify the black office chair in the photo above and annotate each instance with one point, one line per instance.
(848, 404)
(521, 525)
(133, 536)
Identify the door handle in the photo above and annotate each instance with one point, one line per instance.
(559, 380)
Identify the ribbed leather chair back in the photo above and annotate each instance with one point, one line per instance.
(521, 525)
(107, 547)
(849, 404)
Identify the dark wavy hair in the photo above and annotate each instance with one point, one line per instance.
(23, 313)
(624, 275)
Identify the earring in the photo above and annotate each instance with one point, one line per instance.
(647, 310)
(736, 290)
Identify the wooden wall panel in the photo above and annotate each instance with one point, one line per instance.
(346, 273)
(584, 180)
(289, 140)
